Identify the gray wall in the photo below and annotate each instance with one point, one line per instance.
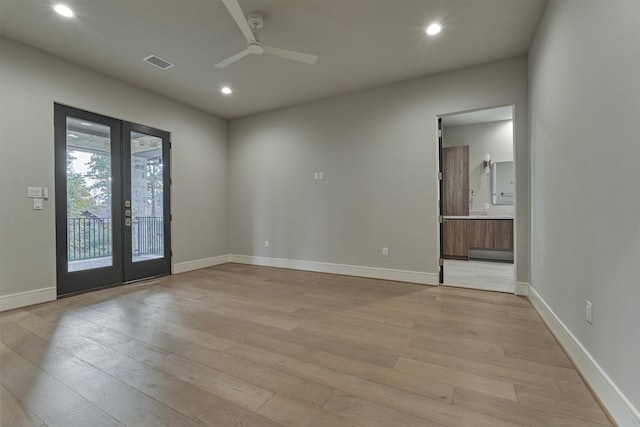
(378, 152)
(585, 177)
(30, 82)
(495, 138)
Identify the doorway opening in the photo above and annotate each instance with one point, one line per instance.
(112, 201)
(477, 199)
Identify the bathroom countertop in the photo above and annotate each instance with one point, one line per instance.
(504, 216)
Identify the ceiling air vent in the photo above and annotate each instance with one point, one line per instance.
(158, 62)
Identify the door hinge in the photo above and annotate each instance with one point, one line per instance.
(440, 219)
(171, 253)
(170, 217)
(170, 145)
(441, 262)
(439, 133)
(170, 181)
(440, 176)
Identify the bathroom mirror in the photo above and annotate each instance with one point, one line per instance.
(503, 183)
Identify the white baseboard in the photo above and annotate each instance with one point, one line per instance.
(23, 299)
(620, 408)
(197, 264)
(522, 289)
(347, 270)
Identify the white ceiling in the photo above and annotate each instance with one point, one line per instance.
(361, 43)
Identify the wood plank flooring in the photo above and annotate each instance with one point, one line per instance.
(238, 345)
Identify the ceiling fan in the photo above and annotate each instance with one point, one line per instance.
(249, 27)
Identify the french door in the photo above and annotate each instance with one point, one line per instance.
(112, 201)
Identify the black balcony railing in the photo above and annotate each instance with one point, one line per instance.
(92, 237)
(88, 238)
(150, 235)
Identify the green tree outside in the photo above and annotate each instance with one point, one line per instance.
(79, 197)
(100, 174)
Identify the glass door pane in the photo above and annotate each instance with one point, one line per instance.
(147, 226)
(147, 202)
(88, 200)
(89, 195)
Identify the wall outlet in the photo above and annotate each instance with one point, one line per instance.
(385, 251)
(588, 311)
(266, 243)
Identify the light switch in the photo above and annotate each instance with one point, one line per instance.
(45, 193)
(320, 175)
(37, 204)
(34, 192)
(315, 176)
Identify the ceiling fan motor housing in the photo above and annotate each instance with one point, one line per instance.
(255, 20)
(255, 48)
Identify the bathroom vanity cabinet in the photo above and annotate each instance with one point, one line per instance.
(478, 236)
(462, 234)
(491, 234)
(456, 238)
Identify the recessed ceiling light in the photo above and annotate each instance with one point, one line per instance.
(226, 90)
(64, 10)
(433, 29)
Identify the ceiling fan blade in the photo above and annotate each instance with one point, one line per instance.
(291, 54)
(230, 60)
(236, 13)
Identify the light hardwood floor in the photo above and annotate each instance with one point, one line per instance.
(238, 345)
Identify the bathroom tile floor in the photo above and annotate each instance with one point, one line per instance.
(486, 275)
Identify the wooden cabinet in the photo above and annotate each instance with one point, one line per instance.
(456, 238)
(481, 233)
(491, 234)
(503, 233)
(455, 202)
(459, 235)
(455, 181)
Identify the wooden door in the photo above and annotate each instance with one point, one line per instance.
(455, 196)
